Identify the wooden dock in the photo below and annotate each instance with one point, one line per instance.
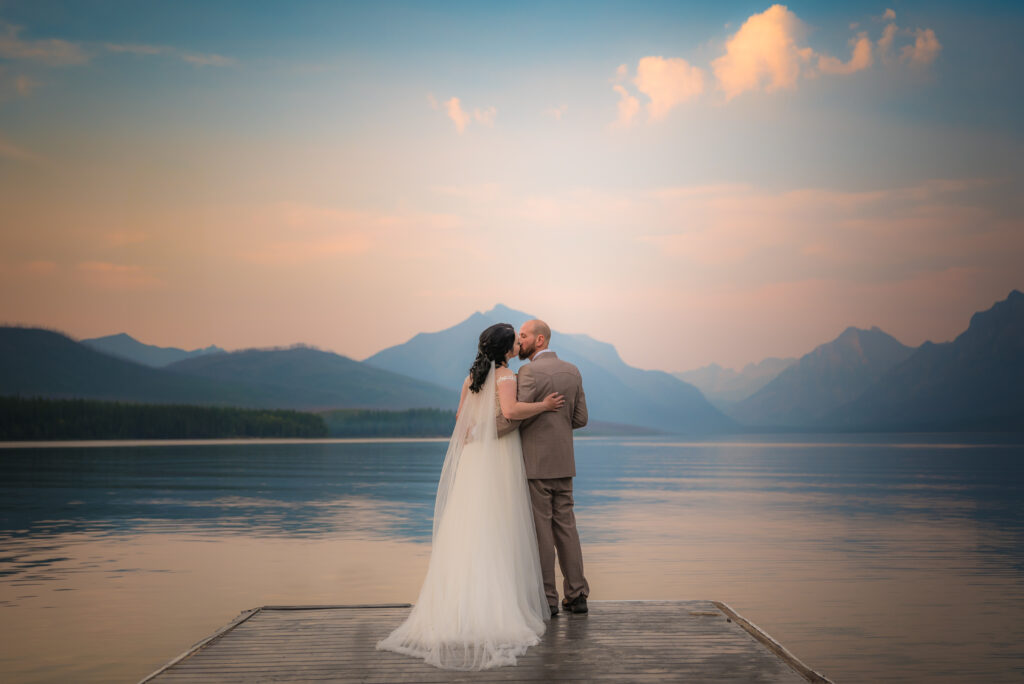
(620, 641)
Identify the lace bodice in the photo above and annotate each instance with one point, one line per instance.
(498, 381)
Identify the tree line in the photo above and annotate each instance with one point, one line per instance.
(32, 418)
(39, 418)
(424, 422)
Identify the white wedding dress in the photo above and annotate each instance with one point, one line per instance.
(482, 603)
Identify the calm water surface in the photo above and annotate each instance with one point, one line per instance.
(872, 558)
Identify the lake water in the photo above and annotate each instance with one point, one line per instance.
(871, 558)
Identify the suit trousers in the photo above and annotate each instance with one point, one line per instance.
(556, 530)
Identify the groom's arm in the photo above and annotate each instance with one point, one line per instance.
(579, 411)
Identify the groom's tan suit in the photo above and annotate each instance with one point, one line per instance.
(550, 467)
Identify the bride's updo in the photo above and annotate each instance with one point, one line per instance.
(495, 344)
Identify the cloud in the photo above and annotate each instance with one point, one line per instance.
(52, 51)
(198, 59)
(628, 107)
(885, 42)
(925, 49)
(455, 112)
(921, 53)
(461, 118)
(485, 116)
(859, 59)
(765, 53)
(667, 82)
(768, 53)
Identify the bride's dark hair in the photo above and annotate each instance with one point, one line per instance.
(495, 344)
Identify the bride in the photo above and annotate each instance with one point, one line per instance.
(482, 603)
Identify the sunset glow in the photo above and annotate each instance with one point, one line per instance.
(690, 182)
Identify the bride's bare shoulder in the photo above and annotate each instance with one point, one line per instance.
(503, 374)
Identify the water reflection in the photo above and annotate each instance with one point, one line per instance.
(869, 562)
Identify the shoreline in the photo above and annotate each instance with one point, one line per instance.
(945, 440)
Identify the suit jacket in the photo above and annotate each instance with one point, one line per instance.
(547, 437)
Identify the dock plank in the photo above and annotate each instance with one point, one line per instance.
(622, 641)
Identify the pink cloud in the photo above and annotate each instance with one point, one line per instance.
(52, 51)
(667, 82)
(198, 59)
(859, 59)
(765, 53)
(925, 49)
(627, 108)
(461, 118)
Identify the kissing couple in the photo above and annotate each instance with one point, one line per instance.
(504, 506)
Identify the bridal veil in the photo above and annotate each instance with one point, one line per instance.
(482, 602)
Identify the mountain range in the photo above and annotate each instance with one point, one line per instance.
(975, 382)
(822, 381)
(863, 380)
(38, 362)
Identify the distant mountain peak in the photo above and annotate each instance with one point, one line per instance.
(501, 311)
(127, 347)
(118, 336)
(823, 379)
(855, 331)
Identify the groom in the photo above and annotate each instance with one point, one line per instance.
(550, 467)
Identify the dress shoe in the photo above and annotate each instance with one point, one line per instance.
(577, 605)
(554, 610)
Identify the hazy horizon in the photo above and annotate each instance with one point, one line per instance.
(692, 184)
(499, 304)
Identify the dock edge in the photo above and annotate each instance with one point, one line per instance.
(772, 645)
(245, 615)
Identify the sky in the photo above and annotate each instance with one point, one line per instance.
(691, 182)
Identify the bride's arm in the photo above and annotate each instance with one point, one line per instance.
(513, 409)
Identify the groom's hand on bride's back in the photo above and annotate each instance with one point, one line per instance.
(553, 401)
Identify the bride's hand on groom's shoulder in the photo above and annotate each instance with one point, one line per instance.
(553, 402)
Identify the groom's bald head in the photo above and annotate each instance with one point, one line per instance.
(533, 337)
(540, 328)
